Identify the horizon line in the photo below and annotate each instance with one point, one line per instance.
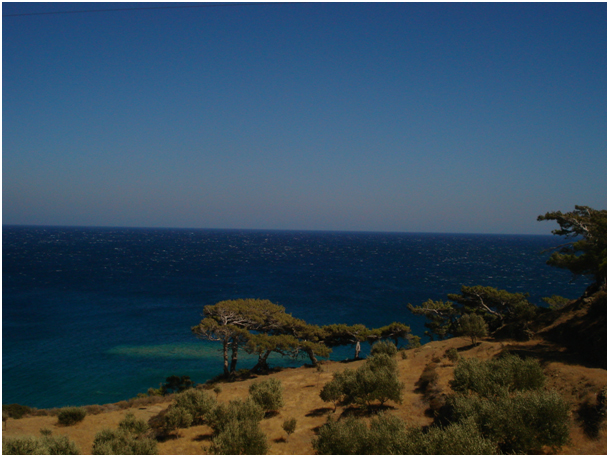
(266, 230)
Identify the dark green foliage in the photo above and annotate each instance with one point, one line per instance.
(497, 306)
(493, 377)
(346, 335)
(71, 415)
(441, 317)
(522, 422)
(376, 380)
(452, 354)
(176, 384)
(428, 379)
(197, 403)
(556, 302)
(236, 428)
(240, 438)
(234, 411)
(177, 418)
(384, 347)
(122, 442)
(137, 427)
(59, 445)
(47, 444)
(472, 326)
(347, 437)
(289, 426)
(268, 394)
(593, 415)
(587, 255)
(16, 411)
(332, 391)
(388, 435)
(461, 438)
(394, 331)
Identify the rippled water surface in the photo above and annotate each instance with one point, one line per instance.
(97, 315)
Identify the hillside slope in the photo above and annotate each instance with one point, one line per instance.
(577, 383)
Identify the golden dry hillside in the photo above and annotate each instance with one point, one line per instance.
(578, 384)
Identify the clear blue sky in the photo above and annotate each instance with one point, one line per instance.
(428, 117)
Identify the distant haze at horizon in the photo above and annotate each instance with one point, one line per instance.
(400, 117)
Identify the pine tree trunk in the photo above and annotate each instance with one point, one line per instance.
(233, 362)
(225, 353)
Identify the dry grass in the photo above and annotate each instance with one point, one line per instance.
(576, 383)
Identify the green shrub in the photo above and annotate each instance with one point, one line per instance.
(71, 415)
(289, 426)
(240, 438)
(27, 445)
(428, 379)
(122, 442)
(347, 437)
(176, 384)
(522, 422)
(59, 445)
(234, 411)
(452, 354)
(332, 391)
(473, 326)
(268, 394)
(137, 427)
(491, 377)
(461, 438)
(388, 435)
(376, 380)
(177, 418)
(198, 403)
(152, 392)
(16, 411)
(384, 347)
(47, 444)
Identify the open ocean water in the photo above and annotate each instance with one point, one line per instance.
(97, 315)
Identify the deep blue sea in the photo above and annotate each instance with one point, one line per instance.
(96, 315)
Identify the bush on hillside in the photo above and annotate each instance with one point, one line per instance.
(122, 442)
(460, 438)
(452, 354)
(473, 326)
(46, 445)
(428, 379)
(289, 426)
(176, 384)
(176, 418)
(347, 437)
(234, 411)
(376, 380)
(388, 435)
(16, 411)
(240, 437)
(522, 422)
(384, 347)
(71, 415)
(198, 403)
(137, 427)
(268, 394)
(491, 377)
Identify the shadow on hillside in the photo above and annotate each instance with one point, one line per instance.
(319, 412)
(203, 437)
(547, 353)
(468, 347)
(365, 412)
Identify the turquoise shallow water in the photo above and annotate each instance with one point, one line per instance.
(97, 315)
